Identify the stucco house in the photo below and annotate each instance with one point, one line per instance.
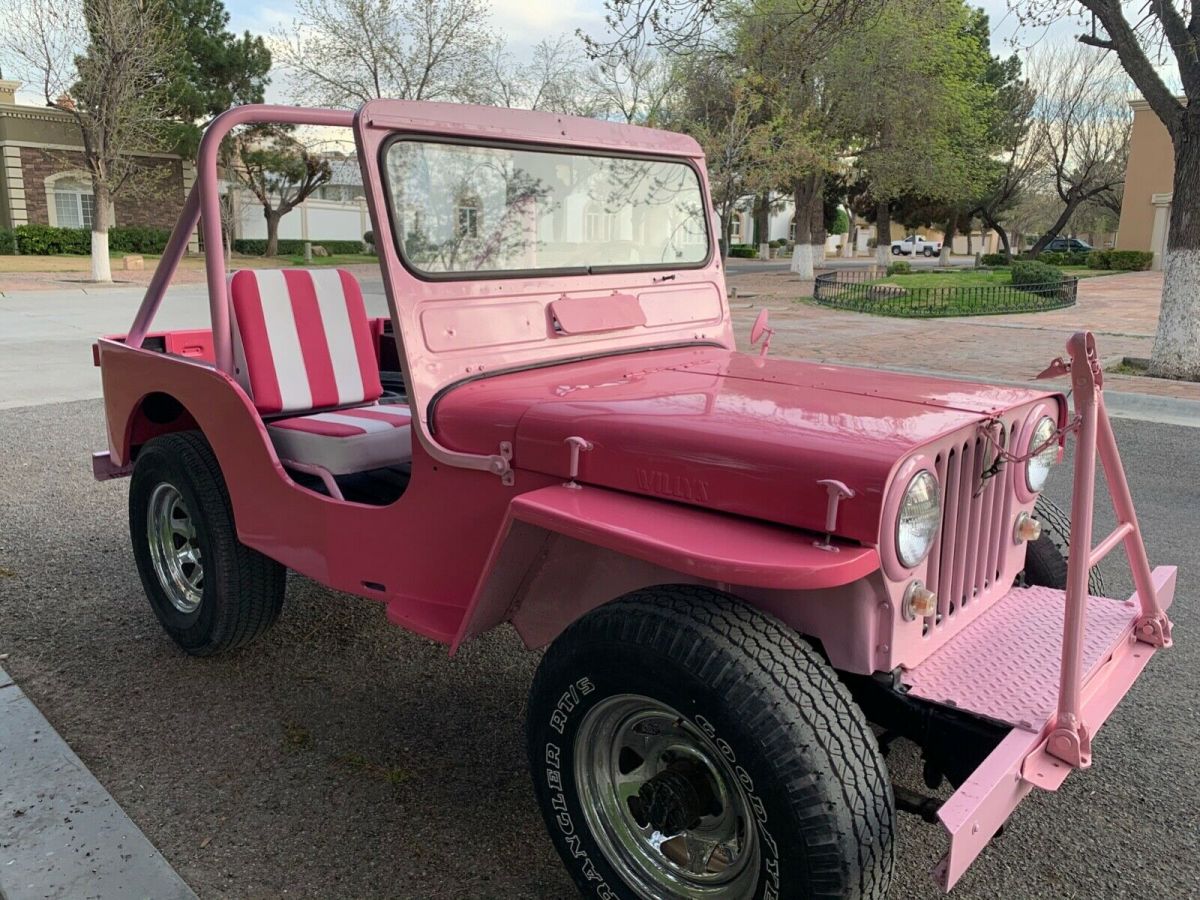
(1146, 205)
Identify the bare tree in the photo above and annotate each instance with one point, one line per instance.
(552, 78)
(103, 62)
(280, 172)
(346, 52)
(1081, 127)
(631, 82)
(1144, 36)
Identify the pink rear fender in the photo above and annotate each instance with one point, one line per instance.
(421, 555)
(565, 550)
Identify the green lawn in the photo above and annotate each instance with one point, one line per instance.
(975, 277)
(335, 259)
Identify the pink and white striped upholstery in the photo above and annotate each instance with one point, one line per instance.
(302, 340)
(346, 440)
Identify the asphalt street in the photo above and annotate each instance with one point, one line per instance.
(343, 757)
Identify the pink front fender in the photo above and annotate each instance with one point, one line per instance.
(595, 544)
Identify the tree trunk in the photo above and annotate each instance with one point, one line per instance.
(816, 218)
(948, 240)
(1177, 342)
(101, 221)
(1000, 233)
(1063, 218)
(762, 224)
(802, 255)
(272, 218)
(883, 234)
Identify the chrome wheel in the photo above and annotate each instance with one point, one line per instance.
(174, 549)
(663, 803)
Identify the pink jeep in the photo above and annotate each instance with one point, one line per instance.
(749, 575)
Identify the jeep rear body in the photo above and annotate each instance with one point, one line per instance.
(582, 431)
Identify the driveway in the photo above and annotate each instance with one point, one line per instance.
(341, 757)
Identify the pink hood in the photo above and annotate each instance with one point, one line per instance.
(719, 429)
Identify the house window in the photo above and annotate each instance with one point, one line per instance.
(468, 218)
(599, 225)
(735, 229)
(74, 205)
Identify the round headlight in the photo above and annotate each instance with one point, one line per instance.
(920, 515)
(1037, 469)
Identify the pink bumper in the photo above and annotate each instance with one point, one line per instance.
(1006, 667)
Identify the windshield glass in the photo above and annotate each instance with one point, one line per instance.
(470, 210)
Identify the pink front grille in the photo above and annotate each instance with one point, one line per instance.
(969, 554)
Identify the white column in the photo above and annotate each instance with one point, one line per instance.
(14, 179)
(1162, 226)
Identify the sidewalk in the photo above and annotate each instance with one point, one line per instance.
(1122, 310)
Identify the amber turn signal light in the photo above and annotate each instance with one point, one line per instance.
(919, 602)
(1027, 529)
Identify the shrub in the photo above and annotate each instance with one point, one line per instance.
(993, 259)
(899, 268)
(369, 238)
(1098, 259)
(743, 251)
(44, 240)
(1052, 258)
(1129, 260)
(137, 239)
(293, 247)
(1036, 277)
(8, 242)
(779, 242)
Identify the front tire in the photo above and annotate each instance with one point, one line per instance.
(211, 592)
(1046, 558)
(684, 744)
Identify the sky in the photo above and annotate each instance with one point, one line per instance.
(525, 22)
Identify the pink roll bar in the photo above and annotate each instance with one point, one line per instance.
(1070, 740)
(203, 203)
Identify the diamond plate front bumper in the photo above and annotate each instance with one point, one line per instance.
(1005, 667)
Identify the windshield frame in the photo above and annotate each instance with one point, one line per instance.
(492, 274)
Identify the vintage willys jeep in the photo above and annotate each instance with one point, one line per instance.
(751, 574)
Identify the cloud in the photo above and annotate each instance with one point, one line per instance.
(525, 23)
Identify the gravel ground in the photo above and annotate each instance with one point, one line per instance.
(342, 757)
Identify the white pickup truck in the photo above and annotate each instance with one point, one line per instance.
(914, 244)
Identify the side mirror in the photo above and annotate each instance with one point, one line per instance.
(761, 331)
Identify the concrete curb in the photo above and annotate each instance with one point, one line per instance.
(1120, 404)
(61, 834)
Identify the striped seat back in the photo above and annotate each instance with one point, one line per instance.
(301, 340)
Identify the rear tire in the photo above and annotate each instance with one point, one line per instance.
(640, 715)
(211, 592)
(1046, 558)
(927, 251)
(896, 251)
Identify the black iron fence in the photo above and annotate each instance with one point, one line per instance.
(862, 291)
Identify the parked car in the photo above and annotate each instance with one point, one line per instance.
(915, 244)
(1068, 245)
(749, 575)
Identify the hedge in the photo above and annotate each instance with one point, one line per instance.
(899, 267)
(47, 240)
(8, 242)
(743, 251)
(1121, 260)
(289, 247)
(1064, 258)
(993, 259)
